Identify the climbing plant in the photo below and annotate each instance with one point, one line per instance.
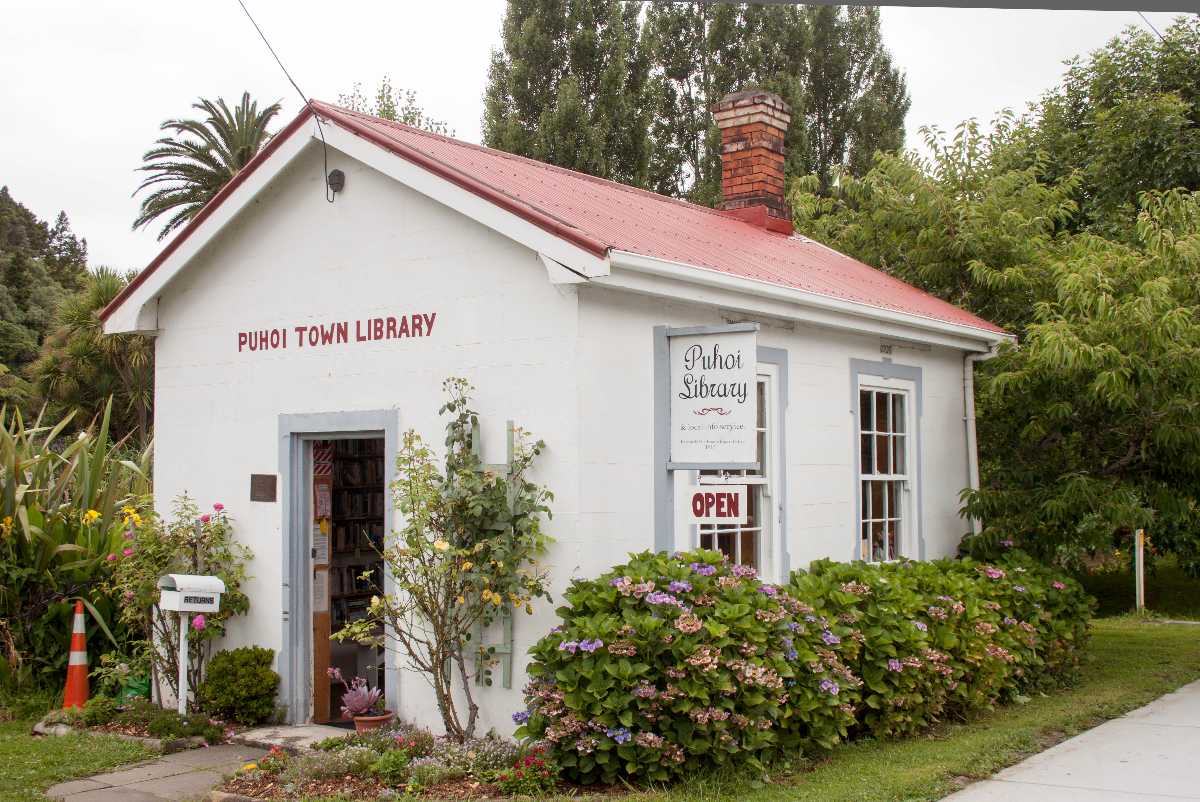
(467, 553)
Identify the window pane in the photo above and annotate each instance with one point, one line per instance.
(865, 409)
(706, 539)
(882, 454)
(866, 460)
(896, 524)
(878, 542)
(752, 502)
(898, 416)
(749, 555)
(762, 453)
(762, 405)
(881, 412)
(725, 543)
(899, 464)
(878, 501)
(865, 542)
(866, 500)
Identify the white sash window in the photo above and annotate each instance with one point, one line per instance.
(886, 453)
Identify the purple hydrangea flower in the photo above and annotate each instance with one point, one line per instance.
(679, 586)
(921, 626)
(520, 717)
(830, 639)
(810, 618)
(590, 645)
(895, 665)
(743, 571)
(767, 589)
(794, 627)
(703, 569)
(829, 686)
(620, 735)
(569, 646)
(659, 597)
(1019, 588)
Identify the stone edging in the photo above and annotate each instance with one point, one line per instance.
(160, 745)
(225, 796)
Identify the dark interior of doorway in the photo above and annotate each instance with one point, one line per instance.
(356, 511)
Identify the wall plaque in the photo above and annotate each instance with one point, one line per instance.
(262, 487)
(714, 398)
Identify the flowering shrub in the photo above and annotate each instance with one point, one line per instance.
(927, 637)
(531, 775)
(667, 664)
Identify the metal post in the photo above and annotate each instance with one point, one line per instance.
(183, 664)
(1139, 569)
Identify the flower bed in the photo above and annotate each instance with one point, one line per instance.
(139, 719)
(669, 664)
(383, 762)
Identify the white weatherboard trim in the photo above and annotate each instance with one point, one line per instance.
(638, 273)
(467, 203)
(139, 312)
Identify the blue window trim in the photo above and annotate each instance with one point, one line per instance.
(886, 370)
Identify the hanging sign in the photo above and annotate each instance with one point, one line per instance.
(714, 398)
(713, 504)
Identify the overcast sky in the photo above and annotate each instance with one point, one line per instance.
(85, 83)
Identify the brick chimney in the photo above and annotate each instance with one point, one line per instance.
(753, 125)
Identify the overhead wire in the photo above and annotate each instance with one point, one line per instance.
(329, 193)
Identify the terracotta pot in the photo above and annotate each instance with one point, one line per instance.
(368, 723)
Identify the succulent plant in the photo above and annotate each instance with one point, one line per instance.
(359, 698)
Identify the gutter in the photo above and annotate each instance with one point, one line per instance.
(693, 274)
(969, 361)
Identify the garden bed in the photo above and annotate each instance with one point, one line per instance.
(155, 728)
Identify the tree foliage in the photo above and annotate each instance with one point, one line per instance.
(198, 157)
(391, 103)
(80, 367)
(1126, 119)
(569, 87)
(40, 264)
(596, 86)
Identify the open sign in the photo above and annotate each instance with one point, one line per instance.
(714, 504)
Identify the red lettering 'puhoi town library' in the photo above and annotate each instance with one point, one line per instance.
(701, 377)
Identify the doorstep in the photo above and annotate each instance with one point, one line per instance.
(292, 738)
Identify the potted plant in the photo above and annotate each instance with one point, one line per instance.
(362, 703)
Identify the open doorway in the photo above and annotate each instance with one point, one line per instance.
(349, 513)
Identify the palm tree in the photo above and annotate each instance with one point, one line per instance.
(80, 368)
(199, 157)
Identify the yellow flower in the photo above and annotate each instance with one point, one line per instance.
(6, 526)
(441, 545)
(90, 516)
(529, 609)
(250, 767)
(468, 565)
(460, 600)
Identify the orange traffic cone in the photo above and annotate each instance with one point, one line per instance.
(76, 692)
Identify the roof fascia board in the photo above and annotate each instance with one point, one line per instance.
(137, 310)
(649, 276)
(464, 201)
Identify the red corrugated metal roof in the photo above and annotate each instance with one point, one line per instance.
(624, 218)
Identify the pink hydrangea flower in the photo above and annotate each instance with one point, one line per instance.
(199, 622)
(1058, 585)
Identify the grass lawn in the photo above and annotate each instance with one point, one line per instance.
(1131, 662)
(31, 765)
(1169, 592)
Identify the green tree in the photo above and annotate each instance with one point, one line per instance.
(80, 367)
(568, 87)
(39, 266)
(1091, 427)
(198, 157)
(827, 62)
(397, 105)
(1127, 120)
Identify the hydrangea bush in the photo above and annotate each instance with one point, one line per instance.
(670, 663)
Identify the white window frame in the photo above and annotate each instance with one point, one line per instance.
(907, 544)
(769, 547)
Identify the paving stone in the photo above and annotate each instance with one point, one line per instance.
(143, 771)
(233, 755)
(73, 787)
(115, 795)
(191, 785)
(298, 737)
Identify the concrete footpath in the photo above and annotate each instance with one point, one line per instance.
(1152, 753)
(179, 776)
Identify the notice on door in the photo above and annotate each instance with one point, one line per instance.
(713, 504)
(714, 398)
